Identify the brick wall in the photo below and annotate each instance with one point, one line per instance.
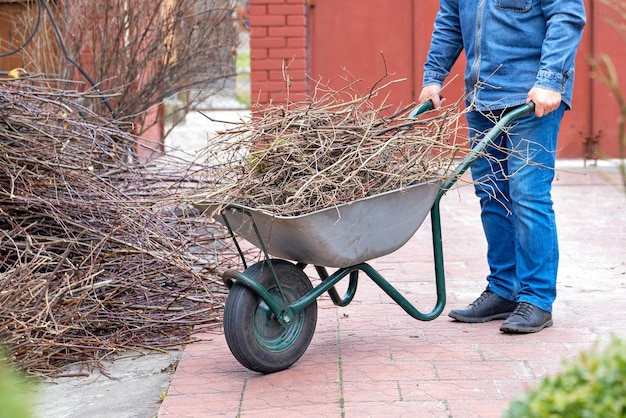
(278, 50)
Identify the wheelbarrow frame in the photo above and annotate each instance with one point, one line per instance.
(285, 315)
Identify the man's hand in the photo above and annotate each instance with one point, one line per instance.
(545, 100)
(432, 92)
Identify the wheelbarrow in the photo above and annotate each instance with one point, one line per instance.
(270, 313)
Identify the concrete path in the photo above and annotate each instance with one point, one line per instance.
(131, 386)
(370, 359)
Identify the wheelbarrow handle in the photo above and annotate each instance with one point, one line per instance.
(422, 108)
(489, 137)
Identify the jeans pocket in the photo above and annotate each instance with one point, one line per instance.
(514, 5)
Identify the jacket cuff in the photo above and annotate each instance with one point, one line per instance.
(432, 78)
(552, 81)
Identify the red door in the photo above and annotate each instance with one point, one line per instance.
(371, 41)
(348, 37)
(374, 41)
(611, 42)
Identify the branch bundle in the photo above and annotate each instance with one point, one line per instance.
(96, 255)
(298, 158)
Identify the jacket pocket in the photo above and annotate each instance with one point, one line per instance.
(514, 5)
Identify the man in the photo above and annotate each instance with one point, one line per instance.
(517, 51)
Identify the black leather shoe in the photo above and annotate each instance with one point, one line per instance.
(487, 307)
(527, 318)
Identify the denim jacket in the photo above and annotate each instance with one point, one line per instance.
(510, 46)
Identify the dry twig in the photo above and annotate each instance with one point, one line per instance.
(301, 157)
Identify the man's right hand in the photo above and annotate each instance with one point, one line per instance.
(432, 92)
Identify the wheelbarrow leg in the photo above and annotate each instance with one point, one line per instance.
(440, 275)
(408, 307)
(332, 292)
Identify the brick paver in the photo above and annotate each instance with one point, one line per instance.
(372, 359)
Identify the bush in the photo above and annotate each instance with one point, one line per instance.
(15, 392)
(593, 385)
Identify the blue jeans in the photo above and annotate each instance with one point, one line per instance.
(514, 182)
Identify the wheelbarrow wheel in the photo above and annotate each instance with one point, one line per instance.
(255, 337)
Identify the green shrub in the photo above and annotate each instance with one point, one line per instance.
(15, 392)
(593, 385)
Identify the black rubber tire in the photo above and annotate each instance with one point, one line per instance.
(256, 339)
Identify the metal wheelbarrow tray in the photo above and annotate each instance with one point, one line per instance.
(339, 236)
(270, 313)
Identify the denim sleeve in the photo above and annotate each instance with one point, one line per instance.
(446, 43)
(565, 20)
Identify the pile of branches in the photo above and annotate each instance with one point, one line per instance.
(96, 253)
(301, 157)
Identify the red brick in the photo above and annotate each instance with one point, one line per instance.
(276, 86)
(296, 85)
(259, 97)
(292, 95)
(277, 64)
(296, 64)
(258, 32)
(259, 76)
(286, 31)
(280, 76)
(256, 9)
(296, 43)
(258, 53)
(275, 75)
(268, 42)
(268, 2)
(287, 53)
(268, 20)
(290, 9)
(267, 64)
(295, 67)
(296, 20)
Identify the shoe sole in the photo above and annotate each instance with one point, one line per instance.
(479, 320)
(513, 329)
